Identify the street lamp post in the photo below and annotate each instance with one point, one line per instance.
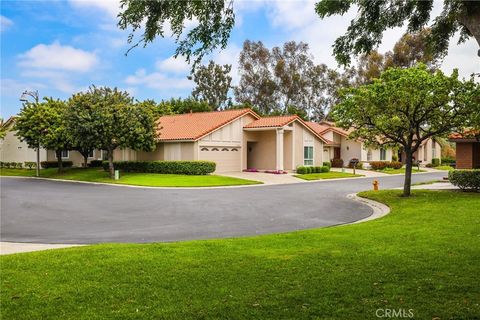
(23, 98)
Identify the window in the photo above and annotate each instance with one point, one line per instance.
(234, 149)
(65, 154)
(383, 154)
(204, 149)
(308, 156)
(225, 149)
(90, 154)
(434, 151)
(425, 152)
(369, 155)
(104, 155)
(215, 149)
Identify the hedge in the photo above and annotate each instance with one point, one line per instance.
(30, 164)
(95, 163)
(435, 162)
(447, 161)
(11, 165)
(379, 165)
(165, 167)
(327, 164)
(54, 164)
(337, 163)
(467, 180)
(395, 165)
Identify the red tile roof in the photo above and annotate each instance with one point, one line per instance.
(467, 134)
(317, 127)
(272, 122)
(193, 126)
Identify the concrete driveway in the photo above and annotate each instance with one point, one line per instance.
(42, 211)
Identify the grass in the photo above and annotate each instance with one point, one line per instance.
(397, 171)
(422, 256)
(326, 175)
(138, 179)
(446, 168)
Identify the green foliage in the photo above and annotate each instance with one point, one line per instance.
(374, 17)
(215, 20)
(165, 167)
(394, 158)
(435, 162)
(337, 163)
(395, 165)
(468, 180)
(324, 169)
(179, 106)
(327, 164)
(95, 163)
(447, 161)
(30, 164)
(54, 164)
(212, 82)
(302, 170)
(379, 165)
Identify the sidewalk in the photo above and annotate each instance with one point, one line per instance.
(17, 247)
(366, 173)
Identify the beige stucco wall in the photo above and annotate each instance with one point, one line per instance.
(287, 150)
(155, 155)
(303, 137)
(350, 149)
(14, 150)
(425, 152)
(263, 156)
(76, 157)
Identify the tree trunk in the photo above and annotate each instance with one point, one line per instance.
(59, 160)
(110, 163)
(408, 173)
(85, 161)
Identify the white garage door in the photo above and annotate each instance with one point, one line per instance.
(226, 158)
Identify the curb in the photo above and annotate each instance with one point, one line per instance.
(379, 209)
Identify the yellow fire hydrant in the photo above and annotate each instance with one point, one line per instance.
(375, 185)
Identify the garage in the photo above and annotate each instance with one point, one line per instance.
(227, 158)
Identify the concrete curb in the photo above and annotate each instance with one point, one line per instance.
(379, 209)
(20, 247)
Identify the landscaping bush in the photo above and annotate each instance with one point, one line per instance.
(435, 162)
(1, 164)
(317, 169)
(18, 165)
(447, 161)
(337, 163)
(54, 164)
(30, 164)
(301, 170)
(327, 164)
(467, 180)
(379, 165)
(394, 158)
(95, 163)
(324, 169)
(164, 167)
(395, 165)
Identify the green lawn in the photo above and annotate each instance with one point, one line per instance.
(401, 170)
(139, 179)
(327, 175)
(423, 256)
(446, 168)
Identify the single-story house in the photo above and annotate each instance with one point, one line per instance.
(467, 152)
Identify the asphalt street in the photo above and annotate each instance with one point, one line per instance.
(43, 211)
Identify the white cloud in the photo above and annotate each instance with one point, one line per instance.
(58, 57)
(174, 65)
(13, 87)
(111, 7)
(5, 23)
(158, 80)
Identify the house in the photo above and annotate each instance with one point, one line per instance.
(14, 150)
(467, 149)
(339, 146)
(237, 140)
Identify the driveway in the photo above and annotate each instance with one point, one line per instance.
(42, 211)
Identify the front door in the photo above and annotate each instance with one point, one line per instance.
(336, 153)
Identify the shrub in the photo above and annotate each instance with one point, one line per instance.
(30, 164)
(337, 163)
(18, 165)
(324, 169)
(301, 170)
(164, 167)
(54, 164)
(95, 163)
(327, 164)
(2, 164)
(394, 158)
(318, 169)
(395, 165)
(435, 162)
(447, 161)
(379, 165)
(465, 179)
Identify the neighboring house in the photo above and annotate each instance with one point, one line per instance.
(237, 140)
(467, 149)
(14, 150)
(428, 150)
(339, 146)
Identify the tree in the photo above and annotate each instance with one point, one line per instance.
(212, 84)
(3, 129)
(213, 21)
(108, 119)
(407, 52)
(374, 17)
(179, 106)
(404, 107)
(256, 87)
(44, 124)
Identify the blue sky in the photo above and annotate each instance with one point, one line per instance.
(62, 47)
